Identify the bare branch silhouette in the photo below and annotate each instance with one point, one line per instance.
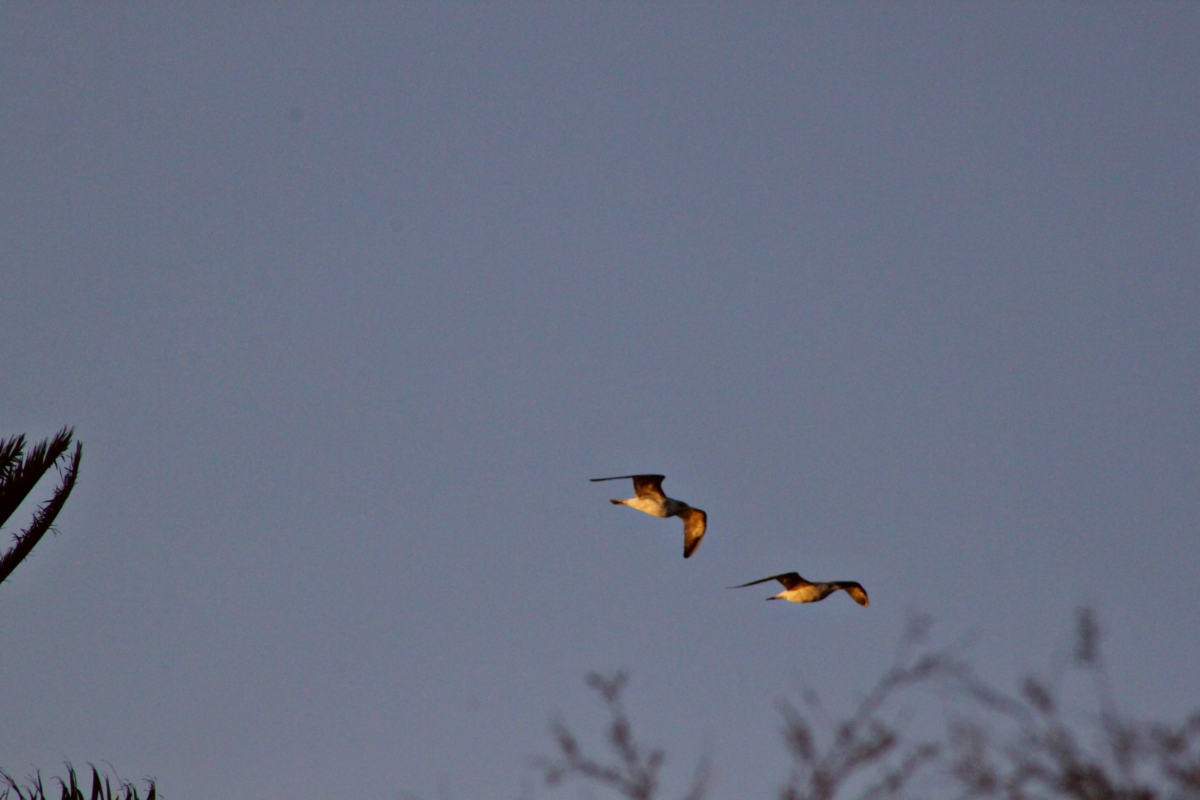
(634, 773)
(1045, 756)
(1041, 752)
(866, 746)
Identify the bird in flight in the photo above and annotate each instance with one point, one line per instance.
(799, 590)
(650, 499)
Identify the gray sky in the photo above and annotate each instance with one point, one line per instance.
(348, 304)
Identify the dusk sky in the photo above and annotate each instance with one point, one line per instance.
(347, 302)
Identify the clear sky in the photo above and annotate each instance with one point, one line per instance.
(348, 303)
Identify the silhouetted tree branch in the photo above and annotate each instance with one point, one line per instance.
(1041, 754)
(634, 773)
(1044, 756)
(18, 476)
(866, 749)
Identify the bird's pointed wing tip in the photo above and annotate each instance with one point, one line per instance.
(859, 594)
(624, 477)
(695, 523)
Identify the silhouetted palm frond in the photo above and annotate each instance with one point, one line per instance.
(19, 474)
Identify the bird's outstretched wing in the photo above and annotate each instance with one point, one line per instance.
(789, 580)
(855, 590)
(695, 522)
(643, 485)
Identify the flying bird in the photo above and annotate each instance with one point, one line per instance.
(650, 499)
(799, 590)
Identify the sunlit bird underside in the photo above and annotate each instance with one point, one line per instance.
(650, 499)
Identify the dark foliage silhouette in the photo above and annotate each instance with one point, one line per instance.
(19, 474)
(71, 788)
